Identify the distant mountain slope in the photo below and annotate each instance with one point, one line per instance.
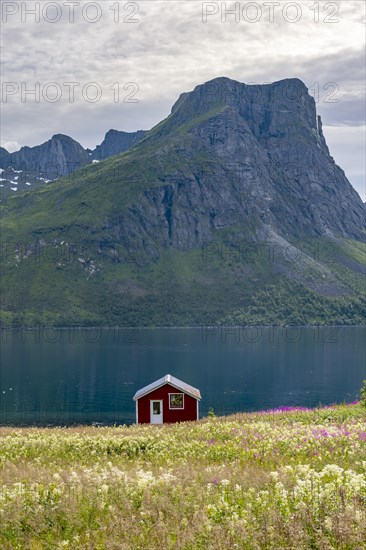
(116, 142)
(230, 210)
(60, 156)
(5, 157)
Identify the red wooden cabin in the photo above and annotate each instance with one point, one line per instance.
(167, 400)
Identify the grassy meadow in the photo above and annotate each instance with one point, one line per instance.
(293, 479)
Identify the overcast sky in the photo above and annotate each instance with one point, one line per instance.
(153, 50)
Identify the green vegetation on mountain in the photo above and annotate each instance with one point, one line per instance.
(204, 221)
(190, 288)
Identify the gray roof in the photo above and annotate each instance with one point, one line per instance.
(168, 379)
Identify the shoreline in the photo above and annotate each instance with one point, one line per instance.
(277, 411)
(15, 328)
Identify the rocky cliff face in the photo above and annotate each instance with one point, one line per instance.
(33, 167)
(116, 142)
(5, 157)
(219, 214)
(250, 158)
(58, 157)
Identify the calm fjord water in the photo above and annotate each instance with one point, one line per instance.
(62, 377)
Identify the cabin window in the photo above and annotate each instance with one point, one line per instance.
(156, 407)
(176, 401)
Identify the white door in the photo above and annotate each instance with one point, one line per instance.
(156, 412)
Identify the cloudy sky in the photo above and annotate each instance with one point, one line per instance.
(116, 64)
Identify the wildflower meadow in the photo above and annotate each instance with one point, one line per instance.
(287, 478)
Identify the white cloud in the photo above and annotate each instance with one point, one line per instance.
(170, 50)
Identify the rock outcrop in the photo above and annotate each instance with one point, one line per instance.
(233, 155)
(5, 157)
(230, 210)
(55, 158)
(33, 167)
(116, 142)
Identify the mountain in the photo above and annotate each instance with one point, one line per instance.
(5, 157)
(34, 167)
(116, 142)
(59, 156)
(231, 210)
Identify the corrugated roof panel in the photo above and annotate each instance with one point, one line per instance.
(168, 379)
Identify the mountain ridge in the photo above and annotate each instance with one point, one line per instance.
(59, 156)
(232, 166)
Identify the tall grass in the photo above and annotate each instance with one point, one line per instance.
(291, 479)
